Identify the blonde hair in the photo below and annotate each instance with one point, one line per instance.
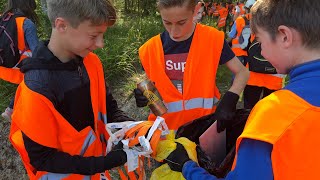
(164, 4)
(77, 11)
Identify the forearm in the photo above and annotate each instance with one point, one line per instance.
(51, 160)
(192, 171)
(241, 75)
(253, 162)
(240, 81)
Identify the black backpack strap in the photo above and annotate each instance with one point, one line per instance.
(247, 22)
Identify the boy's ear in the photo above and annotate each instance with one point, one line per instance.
(285, 36)
(61, 24)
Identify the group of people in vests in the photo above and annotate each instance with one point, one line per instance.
(62, 103)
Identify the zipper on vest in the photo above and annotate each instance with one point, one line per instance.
(80, 72)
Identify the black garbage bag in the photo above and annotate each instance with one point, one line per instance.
(194, 129)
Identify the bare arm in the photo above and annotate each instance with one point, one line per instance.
(241, 75)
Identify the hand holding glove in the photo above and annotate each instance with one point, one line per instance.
(141, 100)
(226, 111)
(177, 158)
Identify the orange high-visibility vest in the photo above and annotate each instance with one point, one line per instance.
(42, 123)
(291, 125)
(200, 93)
(14, 75)
(242, 10)
(270, 81)
(223, 12)
(240, 22)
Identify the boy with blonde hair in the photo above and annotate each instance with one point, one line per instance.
(62, 135)
(281, 133)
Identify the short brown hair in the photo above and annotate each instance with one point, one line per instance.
(300, 15)
(164, 4)
(77, 11)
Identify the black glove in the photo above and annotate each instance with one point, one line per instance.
(115, 158)
(177, 158)
(226, 110)
(141, 100)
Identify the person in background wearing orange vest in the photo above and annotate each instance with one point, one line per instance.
(199, 12)
(235, 33)
(259, 84)
(223, 14)
(239, 9)
(27, 41)
(281, 134)
(183, 62)
(230, 7)
(63, 135)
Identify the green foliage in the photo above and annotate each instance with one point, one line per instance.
(2, 5)
(122, 42)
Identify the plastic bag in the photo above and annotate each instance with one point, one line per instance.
(194, 129)
(165, 147)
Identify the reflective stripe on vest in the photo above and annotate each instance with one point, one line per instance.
(57, 133)
(89, 140)
(200, 91)
(103, 117)
(26, 53)
(50, 176)
(205, 103)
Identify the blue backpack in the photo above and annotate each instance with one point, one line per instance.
(244, 39)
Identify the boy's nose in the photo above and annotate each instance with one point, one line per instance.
(100, 43)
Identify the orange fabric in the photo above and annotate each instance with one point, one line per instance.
(223, 12)
(242, 10)
(270, 81)
(14, 75)
(55, 131)
(291, 125)
(199, 76)
(240, 23)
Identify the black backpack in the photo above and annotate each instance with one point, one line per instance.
(257, 63)
(9, 52)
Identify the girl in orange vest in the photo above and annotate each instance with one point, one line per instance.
(280, 138)
(27, 41)
(183, 62)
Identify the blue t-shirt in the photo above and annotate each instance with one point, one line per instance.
(175, 56)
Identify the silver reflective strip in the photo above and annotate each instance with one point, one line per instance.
(89, 140)
(205, 103)
(235, 46)
(103, 117)
(56, 176)
(103, 139)
(26, 53)
(278, 75)
(174, 106)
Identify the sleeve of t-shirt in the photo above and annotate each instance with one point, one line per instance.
(227, 54)
(30, 34)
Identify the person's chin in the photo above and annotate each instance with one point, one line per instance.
(176, 38)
